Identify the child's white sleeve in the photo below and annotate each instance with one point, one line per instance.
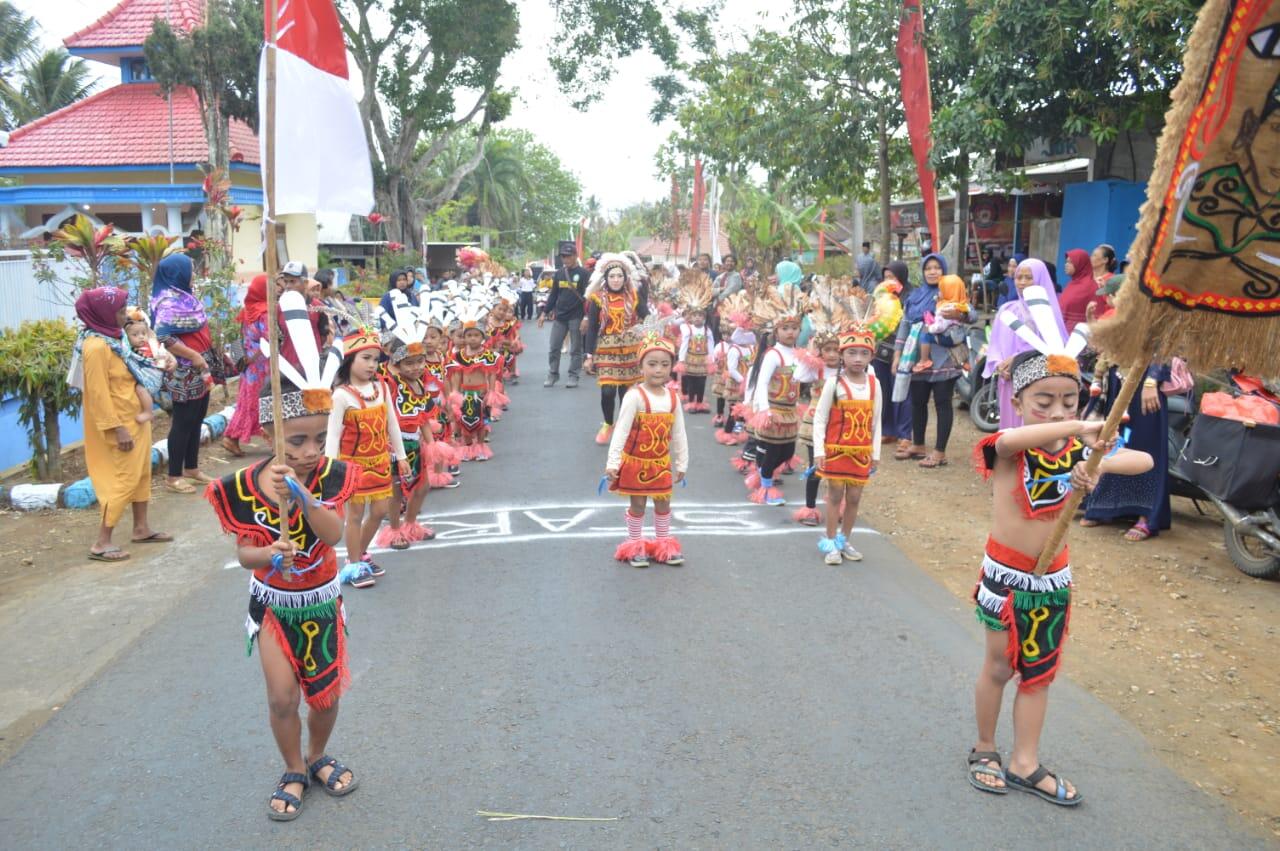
(622, 428)
(333, 435)
(679, 441)
(685, 334)
(877, 407)
(760, 394)
(822, 413)
(733, 359)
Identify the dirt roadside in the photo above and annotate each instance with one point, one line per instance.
(1167, 632)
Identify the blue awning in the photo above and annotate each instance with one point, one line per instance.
(128, 193)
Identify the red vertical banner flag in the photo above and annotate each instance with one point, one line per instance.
(918, 106)
(695, 208)
(582, 231)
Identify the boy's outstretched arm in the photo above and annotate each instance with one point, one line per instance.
(1127, 462)
(1020, 439)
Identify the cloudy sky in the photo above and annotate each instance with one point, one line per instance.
(611, 146)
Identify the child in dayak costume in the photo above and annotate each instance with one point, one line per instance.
(825, 365)
(694, 294)
(719, 357)
(295, 598)
(414, 395)
(847, 424)
(737, 366)
(441, 473)
(776, 388)
(364, 431)
(1033, 469)
(472, 382)
(648, 455)
(505, 339)
(615, 305)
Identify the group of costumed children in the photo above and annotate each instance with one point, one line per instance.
(1034, 467)
(369, 425)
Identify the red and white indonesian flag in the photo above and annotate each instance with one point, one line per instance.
(321, 157)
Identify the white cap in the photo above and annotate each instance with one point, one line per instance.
(294, 269)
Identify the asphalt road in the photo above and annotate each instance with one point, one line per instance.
(754, 698)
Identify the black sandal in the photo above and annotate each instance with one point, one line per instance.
(990, 764)
(334, 776)
(289, 800)
(1028, 784)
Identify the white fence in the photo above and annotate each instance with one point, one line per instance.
(23, 298)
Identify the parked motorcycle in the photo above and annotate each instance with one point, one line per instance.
(974, 392)
(1208, 463)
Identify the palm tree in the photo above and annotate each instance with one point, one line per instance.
(498, 185)
(44, 84)
(17, 43)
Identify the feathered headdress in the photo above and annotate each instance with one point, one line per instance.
(653, 335)
(312, 376)
(403, 339)
(833, 306)
(469, 257)
(1052, 356)
(773, 309)
(694, 290)
(736, 308)
(472, 313)
(601, 272)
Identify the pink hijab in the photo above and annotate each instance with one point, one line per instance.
(1004, 344)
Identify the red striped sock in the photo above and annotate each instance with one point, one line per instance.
(661, 525)
(635, 525)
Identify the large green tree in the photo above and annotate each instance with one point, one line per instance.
(220, 61)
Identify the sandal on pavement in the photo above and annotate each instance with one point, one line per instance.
(903, 452)
(289, 800)
(233, 446)
(199, 476)
(154, 538)
(1086, 523)
(179, 486)
(987, 763)
(109, 554)
(933, 460)
(1028, 784)
(1138, 532)
(327, 786)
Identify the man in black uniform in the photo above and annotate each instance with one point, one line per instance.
(565, 307)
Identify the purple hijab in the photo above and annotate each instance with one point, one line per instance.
(1004, 344)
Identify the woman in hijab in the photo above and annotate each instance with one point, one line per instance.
(895, 417)
(117, 447)
(1081, 289)
(1008, 292)
(181, 327)
(937, 382)
(402, 280)
(1004, 345)
(253, 325)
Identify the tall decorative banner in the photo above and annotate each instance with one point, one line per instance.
(917, 104)
(1207, 253)
(695, 209)
(713, 213)
(675, 217)
(581, 237)
(321, 155)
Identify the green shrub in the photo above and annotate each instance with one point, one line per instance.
(33, 368)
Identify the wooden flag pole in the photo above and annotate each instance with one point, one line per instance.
(1132, 381)
(272, 261)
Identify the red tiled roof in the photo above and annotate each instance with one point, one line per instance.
(127, 124)
(129, 23)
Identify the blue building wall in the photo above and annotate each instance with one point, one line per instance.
(14, 446)
(1097, 212)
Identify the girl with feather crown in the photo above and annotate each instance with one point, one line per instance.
(415, 396)
(694, 299)
(364, 431)
(616, 303)
(473, 380)
(649, 453)
(296, 614)
(1033, 469)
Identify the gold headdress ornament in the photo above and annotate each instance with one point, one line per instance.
(772, 309)
(653, 336)
(857, 337)
(833, 306)
(694, 290)
(736, 308)
(312, 376)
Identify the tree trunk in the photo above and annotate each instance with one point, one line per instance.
(33, 409)
(886, 229)
(856, 229)
(52, 441)
(217, 131)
